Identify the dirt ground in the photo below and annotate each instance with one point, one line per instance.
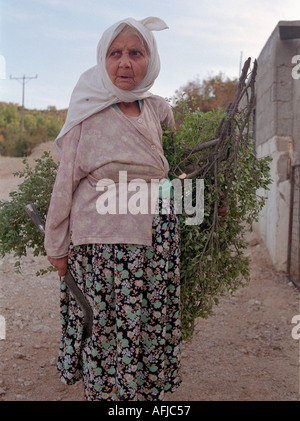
(244, 352)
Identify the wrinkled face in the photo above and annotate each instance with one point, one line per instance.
(127, 61)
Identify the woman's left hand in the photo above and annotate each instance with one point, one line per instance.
(60, 264)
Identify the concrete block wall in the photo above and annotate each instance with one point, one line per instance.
(274, 218)
(277, 129)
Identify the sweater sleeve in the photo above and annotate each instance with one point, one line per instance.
(69, 174)
(168, 117)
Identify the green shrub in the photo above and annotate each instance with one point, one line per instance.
(212, 253)
(17, 232)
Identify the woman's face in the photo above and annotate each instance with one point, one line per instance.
(127, 61)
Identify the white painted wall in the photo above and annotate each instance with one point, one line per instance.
(274, 219)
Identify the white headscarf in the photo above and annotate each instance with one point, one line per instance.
(95, 91)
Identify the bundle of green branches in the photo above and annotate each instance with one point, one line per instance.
(215, 147)
(17, 232)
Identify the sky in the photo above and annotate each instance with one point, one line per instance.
(57, 40)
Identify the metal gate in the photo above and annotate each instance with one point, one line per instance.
(293, 258)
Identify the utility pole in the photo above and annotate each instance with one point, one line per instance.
(24, 79)
(241, 63)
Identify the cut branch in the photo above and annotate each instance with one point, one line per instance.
(230, 133)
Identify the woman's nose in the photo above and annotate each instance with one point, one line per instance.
(125, 61)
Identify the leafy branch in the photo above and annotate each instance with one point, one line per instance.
(217, 147)
(17, 233)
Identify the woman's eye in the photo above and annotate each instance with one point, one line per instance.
(114, 53)
(133, 53)
(136, 53)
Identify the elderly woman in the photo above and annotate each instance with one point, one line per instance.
(126, 263)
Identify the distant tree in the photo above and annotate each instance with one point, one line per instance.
(30, 123)
(40, 126)
(209, 94)
(53, 126)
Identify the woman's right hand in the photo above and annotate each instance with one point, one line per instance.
(60, 264)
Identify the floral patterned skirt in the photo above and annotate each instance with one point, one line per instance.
(134, 291)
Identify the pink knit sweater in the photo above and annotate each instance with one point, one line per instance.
(99, 148)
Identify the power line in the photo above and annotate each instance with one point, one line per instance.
(24, 79)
